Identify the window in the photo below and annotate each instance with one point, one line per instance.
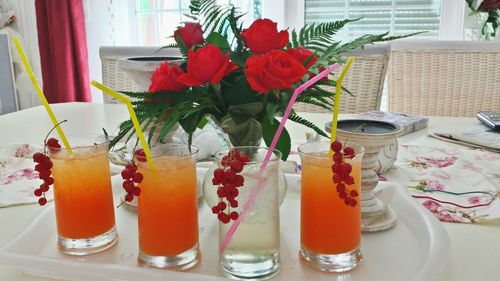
(157, 19)
(378, 16)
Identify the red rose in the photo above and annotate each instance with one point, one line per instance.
(263, 36)
(489, 5)
(166, 78)
(276, 70)
(191, 34)
(302, 55)
(207, 64)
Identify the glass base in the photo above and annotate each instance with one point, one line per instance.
(87, 246)
(182, 261)
(248, 266)
(332, 263)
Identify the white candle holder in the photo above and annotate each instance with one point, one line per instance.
(373, 136)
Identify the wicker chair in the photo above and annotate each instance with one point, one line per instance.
(440, 78)
(116, 78)
(365, 80)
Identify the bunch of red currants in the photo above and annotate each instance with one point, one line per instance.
(43, 167)
(342, 173)
(227, 179)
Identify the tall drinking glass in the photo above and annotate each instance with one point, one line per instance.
(253, 251)
(168, 209)
(83, 196)
(330, 229)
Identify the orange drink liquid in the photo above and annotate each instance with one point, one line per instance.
(83, 197)
(168, 209)
(330, 230)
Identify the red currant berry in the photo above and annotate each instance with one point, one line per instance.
(140, 155)
(38, 157)
(44, 187)
(52, 142)
(349, 152)
(236, 166)
(233, 215)
(239, 181)
(336, 146)
(127, 174)
(49, 181)
(353, 202)
(354, 193)
(131, 167)
(224, 161)
(347, 201)
(222, 206)
(42, 201)
(346, 168)
(221, 193)
(223, 217)
(336, 168)
(349, 180)
(338, 158)
(233, 203)
(336, 178)
(215, 209)
(129, 197)
(136, 191)
(244, 158)
(216, 181)
(137, 178)
(39, 167)
(219, 173)
(38, 192)
(230, 175)
(44, 174)
(128, 185)
(340, 187)
(343, 195)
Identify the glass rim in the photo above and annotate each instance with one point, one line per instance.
(222, 152)
(300, 149)
(155, 154)
(101, 143)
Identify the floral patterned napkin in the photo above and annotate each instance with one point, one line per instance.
(18, 179)
(456, 184)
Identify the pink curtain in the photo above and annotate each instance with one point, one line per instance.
(63, 50)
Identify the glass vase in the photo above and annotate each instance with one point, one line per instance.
(253, 251)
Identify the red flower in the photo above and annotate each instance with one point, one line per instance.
(263, 36)
(207, 64)
(489, 5)
(276, 70)
(191, 34)
(166, 78)
(302, 55)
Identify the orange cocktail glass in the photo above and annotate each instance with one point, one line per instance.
(168, 208)
(330, 230)
(83, 196)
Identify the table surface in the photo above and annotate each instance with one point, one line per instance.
(475, 249)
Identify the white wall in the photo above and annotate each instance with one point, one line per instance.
(108, 24)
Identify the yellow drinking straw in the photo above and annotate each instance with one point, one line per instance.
(40, 94)
(338, 90)
(131, 111)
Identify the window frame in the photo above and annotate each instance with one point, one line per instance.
(451, 23)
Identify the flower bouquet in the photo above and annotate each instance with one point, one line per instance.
(240, 78)
(488, 11)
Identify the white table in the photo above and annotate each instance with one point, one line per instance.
(475, 249)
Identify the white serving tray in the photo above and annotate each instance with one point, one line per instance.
(417, 248)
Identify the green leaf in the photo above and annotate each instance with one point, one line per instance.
(271, 109)
(284, 144)
(203, 122)
(219, 40)
(297, 119)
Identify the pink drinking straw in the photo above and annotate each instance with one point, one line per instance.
(247, 207)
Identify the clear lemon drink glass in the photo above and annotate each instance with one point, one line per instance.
(254, 250)
(83, 196)
(330, 229)
(168, 209)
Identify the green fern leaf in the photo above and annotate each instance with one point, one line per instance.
(297, 119)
